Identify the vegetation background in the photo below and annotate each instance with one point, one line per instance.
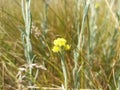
(99, 51)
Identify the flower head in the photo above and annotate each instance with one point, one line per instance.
(97, 5)
(60, 44)
(56, 49)
(67, 47)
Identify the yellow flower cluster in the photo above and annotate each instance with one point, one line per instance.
(97, 5)
(60, 44)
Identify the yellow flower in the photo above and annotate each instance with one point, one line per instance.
(60, 45)
(97, 5)
(56, 49)
(59, 42)
(67, 47)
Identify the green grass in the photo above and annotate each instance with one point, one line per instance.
(92, 29)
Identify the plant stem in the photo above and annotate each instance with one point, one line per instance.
(79, 44)
(64, 70)
(76, 54)
(44, 24)
(27, 37)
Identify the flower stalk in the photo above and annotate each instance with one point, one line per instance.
(64, 70)
(60, 47)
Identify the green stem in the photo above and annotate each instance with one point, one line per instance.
(45, 19)
(79, 44)
(118, 87)
(75, 70)
(64, 70)
(27, 40)
(76, 53)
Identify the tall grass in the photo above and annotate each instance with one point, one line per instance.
(91, 27)
(26, 37)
